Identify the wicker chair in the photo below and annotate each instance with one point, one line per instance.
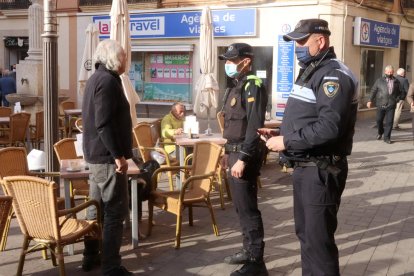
(16, 133)
(35, 204)
(37, 130)
(65, 149)
(5, 111)
(221, 175)
(69, 126)
(195, 189)
(78, 125)
(5, 210)
(13, 161)
(143, 133)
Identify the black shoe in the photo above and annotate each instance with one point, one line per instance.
(252, 269)
(388, 141)
(379, 136)
(120, 271)
(241, 257)
(89, 262)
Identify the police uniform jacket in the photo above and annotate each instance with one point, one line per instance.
(106, 119)
(244, 112)
(321, 111)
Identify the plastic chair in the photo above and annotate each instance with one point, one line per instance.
(17, 131)
(195, 189)
(35, 204)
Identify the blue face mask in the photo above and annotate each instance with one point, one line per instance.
(303, 55)
(231, 70)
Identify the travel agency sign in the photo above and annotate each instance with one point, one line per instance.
(226, 23)
(376, 34)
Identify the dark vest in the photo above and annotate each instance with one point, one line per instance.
(235, 116)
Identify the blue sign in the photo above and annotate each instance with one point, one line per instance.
(285, 62)
(226, 23)
(375, 33)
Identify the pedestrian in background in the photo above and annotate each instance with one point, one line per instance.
(107, 144)
(244, 112)
(172, 124)
(386, 92)
(7, 86)
(315, 138)
(410, 100)
(404, 84)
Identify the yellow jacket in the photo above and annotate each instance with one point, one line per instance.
(168, 126)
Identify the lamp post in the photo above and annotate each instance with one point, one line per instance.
(50, 83)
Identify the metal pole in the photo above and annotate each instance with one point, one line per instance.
(50, 83)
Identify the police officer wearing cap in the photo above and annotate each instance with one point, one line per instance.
(315, 137)
(244, 112)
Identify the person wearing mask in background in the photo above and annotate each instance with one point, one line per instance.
(386, 92)
(315, 138)
(244, 112)
(7, 86)
(107, 144)
(172, 124)
(404, 87)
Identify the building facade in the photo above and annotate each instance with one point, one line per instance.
(367, 35)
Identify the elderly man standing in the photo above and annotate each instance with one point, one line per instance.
(107, 144)
(404, 84)
(387, 93)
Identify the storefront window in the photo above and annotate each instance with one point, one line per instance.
(162, 76)
(371, 69)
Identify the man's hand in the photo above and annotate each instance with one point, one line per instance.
(178, 131)
(121, 165)
(266, 133)
(275, 143)
(369, 104)
(238, 169)
(224, 161)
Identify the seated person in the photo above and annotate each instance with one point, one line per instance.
(172, 124)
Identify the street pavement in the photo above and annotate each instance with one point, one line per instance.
(375, 234)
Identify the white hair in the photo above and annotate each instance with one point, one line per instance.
(109, 53)
(389, 67)
(401, 71)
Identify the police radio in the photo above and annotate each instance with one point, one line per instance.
(311, 67)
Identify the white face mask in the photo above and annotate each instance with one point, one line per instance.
(231, 69)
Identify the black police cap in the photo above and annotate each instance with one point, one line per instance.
(236, 50)
(306, 27)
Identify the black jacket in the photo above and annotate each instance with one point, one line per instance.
(404, 84)
(321, 111)
(244, 112)
(107, 127)
(379, 93)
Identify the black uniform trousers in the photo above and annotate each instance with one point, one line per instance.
(385, 127)
(316, 198)
(244, 194)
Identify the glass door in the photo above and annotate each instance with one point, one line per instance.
(371, 69)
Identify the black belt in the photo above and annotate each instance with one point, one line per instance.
(332, 158)
(232, 147)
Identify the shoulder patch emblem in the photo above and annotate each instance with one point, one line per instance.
(330, 88)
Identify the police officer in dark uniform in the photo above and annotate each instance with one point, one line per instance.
(315, 137)
(244, 113)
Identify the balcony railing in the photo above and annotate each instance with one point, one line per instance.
(109, 2)
(14, 4)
